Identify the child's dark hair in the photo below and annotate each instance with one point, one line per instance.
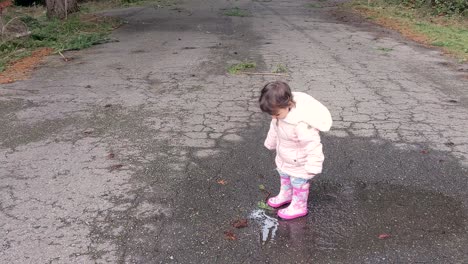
(275, 95)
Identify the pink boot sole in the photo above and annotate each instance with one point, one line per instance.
(277, 205)
(290, 217)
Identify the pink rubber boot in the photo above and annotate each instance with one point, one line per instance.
(298, 206)
(284, 196)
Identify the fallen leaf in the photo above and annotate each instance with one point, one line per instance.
(222, 182)
(263, 205)
(261, 187)
(111, 156)
(384, 236)
(229, 235)
(241, 223)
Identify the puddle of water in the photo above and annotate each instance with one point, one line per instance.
(271, 228)
(349, 217)
(268, 225)
(361, 198)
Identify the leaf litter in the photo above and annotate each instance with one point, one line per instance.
(263, 205)
(221, 182)
(241, 223)
(229, 235)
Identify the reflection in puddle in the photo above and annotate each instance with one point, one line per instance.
(271, 229)
(296, 231)
(268, 225)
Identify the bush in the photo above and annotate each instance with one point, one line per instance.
(31, 22)
(437, 7)
(29, 2)
(451, 7)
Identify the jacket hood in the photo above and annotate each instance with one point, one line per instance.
(309, 111)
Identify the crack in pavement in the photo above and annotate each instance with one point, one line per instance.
(363, 89)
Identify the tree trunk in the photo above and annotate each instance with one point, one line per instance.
(61, 8)
(429, 3)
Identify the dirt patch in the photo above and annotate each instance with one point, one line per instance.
(21, 69)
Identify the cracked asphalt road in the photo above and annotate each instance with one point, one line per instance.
(117, 156)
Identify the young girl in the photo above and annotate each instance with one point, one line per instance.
(296, 121)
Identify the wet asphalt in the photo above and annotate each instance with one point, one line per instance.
(146, 151)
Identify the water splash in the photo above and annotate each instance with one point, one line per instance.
(268, 225)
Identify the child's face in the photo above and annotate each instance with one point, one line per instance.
(281, 113)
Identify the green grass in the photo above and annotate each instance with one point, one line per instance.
(236, 12)
(264, 206)
(18, 54)
(384, 49)
(450, 33)
(72, 34)
(236, 68)
(81, 30)
(77, 32)
(99, 5)
(449, 37)
(280, 68)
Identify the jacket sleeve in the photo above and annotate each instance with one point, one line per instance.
(271, 139)
(309, 139)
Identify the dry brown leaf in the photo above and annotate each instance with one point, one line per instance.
(241, 223)
(222, 182)
(229, 235)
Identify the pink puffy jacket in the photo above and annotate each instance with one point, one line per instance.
(296, 138)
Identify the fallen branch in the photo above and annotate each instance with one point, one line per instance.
(24, 34)
(268, 194)
(264, 73)
(64, 58)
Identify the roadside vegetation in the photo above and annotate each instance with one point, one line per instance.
(438, 23)
(73, 34)
(24, 31)
(280, 68)
(240, 67)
